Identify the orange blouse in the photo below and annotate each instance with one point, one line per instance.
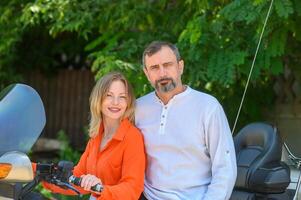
(120, 164)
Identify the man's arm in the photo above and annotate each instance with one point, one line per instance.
(222, 154)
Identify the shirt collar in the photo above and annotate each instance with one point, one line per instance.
(120, 132)
(122, 129)
(177, 96)
(184, 93)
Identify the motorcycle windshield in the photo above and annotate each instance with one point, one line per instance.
(22, 118)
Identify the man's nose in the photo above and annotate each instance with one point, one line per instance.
(162, 71)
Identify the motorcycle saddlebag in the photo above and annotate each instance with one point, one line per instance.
(271, 179)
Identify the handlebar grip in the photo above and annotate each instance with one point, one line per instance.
(77, 181)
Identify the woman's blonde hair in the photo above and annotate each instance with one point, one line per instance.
(98, 93)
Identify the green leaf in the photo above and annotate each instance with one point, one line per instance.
(263, 60)
(278, 42)
(276, 66)
(222, 64)
(217, 26)
(297, 6)
(193, 30)
(284, 8)
(239, 57)
(92, 45)
(243, 10)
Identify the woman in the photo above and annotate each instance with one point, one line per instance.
(114, 155)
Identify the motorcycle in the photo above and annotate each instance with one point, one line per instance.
(22, 119)
(261, 172)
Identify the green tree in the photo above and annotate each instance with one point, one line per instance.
(217, 39)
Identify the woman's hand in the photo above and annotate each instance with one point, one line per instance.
(88, 181)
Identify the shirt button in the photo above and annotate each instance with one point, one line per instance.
(163, 116)
(161, 124)
(165, 107)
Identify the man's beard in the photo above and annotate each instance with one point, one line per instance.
(169, 86)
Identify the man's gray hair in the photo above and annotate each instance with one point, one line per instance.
(156, 46)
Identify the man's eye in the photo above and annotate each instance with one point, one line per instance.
(154, 67)
(168, 64)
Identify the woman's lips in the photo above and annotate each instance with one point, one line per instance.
(114, 110)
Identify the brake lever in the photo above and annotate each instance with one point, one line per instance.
(67, 185)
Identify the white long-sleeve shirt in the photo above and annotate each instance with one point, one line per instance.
(189, 146)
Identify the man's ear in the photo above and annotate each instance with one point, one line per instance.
(181, 66)
(145, 72)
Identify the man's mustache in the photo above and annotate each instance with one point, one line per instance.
(163, 79)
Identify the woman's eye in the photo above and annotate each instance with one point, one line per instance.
(108, 95)
(123, 97)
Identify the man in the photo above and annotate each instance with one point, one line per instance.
(190, 151)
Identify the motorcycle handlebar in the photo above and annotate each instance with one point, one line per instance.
(61, 175)
(56, 174)
(77, 181)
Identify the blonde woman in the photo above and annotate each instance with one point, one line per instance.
(114, 155)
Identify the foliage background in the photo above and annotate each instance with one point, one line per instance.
(217, 39)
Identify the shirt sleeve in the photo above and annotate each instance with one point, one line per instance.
(222, 154)
(130, 185)
(78, 170)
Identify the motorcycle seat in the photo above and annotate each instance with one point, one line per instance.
(259, 166)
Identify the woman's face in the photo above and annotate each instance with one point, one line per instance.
(114, 103)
